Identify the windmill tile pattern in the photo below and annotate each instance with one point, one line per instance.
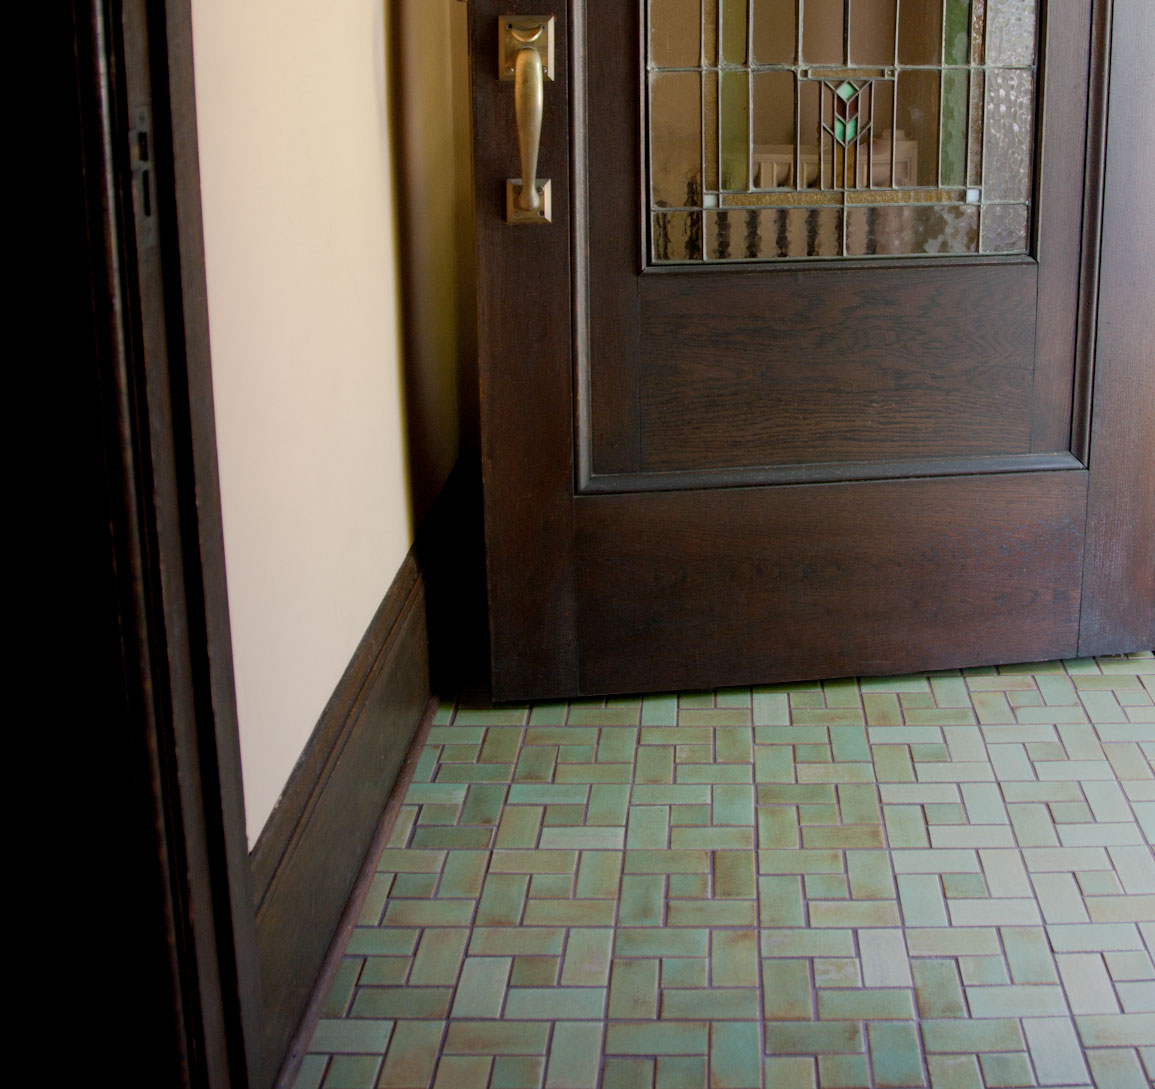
(937, 881)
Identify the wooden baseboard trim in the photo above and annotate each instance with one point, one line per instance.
(299, 1045)
(307, 860)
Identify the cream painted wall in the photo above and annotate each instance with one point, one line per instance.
(302, 256)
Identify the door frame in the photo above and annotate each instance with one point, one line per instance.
(529, 429)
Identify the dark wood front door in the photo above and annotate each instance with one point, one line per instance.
(718, 450)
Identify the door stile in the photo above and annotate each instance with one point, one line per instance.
(525, 362)
(1119, 578)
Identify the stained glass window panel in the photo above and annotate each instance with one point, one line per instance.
(800, 129)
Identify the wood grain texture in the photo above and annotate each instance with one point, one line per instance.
(832, 365)
(309, 859)
(1119, 588)
(758, 585)
(526, 378)
(1064, 171)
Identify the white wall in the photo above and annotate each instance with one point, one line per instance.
(301, 254)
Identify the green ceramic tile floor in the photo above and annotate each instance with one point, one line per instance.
(941, 881)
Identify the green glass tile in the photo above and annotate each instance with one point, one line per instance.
(735, 1055)
(660, 710)
(352, 1072)
(693, 754)
(843, 1072)
(688, 886)
(628, 1074)
(895, 1056)
(634, 990)
(794, 942)
(534, 971)
(771, 708)
(312, 1071)
(412, 1054)
(491, 716)
(733, 805)
(813, 754)
(554, 1003)
(684, 972)
(515, 941)
(481, 988)
(954, 1072)
(582, 839)
(649, 942)
(532, 861)
(734, 876)
(463, 874)
(642, 900)
(402, 826)
(870, 875)
(710, 913)
(574, 767)
(973, 1036)
(826, 886)
(797, 1038)
(780, 901)
(778, 827)
(734, 958)
(380, 942)
(865, 1005)
(384, 972)
(519, 826)
(773, 764)
(937, 988)
(963, 885)
(587, 958)
(517, 1072)
(502, 900)
(436, 813)
(535, 765)
(548, 714)
(678, 735)
(1002, 1071)
(438, 957)
(474, 773)
(426, 765)
(409, 861)
(689, 1004)
(713, 839)
(818, 814)
(950, 813)
(977, 971)
(655, 764)
(344, 980)
(647, 826)
(608, 804)
(569, 913)
(1119, 1068)
(497, 1037)
(563, 816)
(413, 886)
(427, 1003)
(657, 1038)
(616, 746)
(599, 875)
(459, 754)
(681, 1072)
(686, 861)
(786, 991)
(837, 972)
(692, 815)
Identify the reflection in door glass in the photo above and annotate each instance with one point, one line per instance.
(792, 129)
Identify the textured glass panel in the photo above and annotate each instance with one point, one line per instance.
(734, 129)
(677, 236)
(956, 39)
(754, 234)
(822, 24)
(773, 129)
(1011, 26)
(710, 116)
(775, 31)
(872, 32)
(1009, 123)
(675, 33)
(975, 139)
(920, 32)
(676, 139)
(919, 229)
(918, 105)
(955, 100)
(710, 23)
(978, 31)
(1005, 228)
(735, 32)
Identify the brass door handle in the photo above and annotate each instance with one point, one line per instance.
(527, 57)
(529, 104)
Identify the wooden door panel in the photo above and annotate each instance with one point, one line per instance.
(836, 366)
(716, 587)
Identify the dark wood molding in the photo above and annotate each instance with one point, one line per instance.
(1119, 582)
(307, 860)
